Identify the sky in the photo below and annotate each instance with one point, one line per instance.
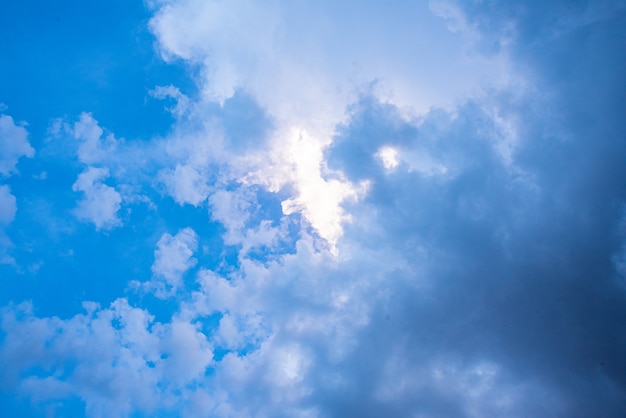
(313, 208)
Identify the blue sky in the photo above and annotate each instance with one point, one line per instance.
(313, 209)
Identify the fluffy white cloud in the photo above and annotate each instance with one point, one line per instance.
(13, 145)
(233, 209)
(94, 147)
(100, 202)
(172, 258)
(84, 357)
(259, 46)
(185, 184)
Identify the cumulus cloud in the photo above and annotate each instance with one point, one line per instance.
(185, 184)
(259, 46)
(112, 381)
(100, 202)
(94, 147)
(172, 258)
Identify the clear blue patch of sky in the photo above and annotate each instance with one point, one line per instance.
(65, 57)
(15, 405)
(60, 59)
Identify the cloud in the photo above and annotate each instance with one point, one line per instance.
(259, 47)
(13, 145)
(185, 184)
(480, 273)
(181, 106)
(501, 25)
(100, 202)
(84, 358)
(94, 147)
(246, 46)
(172, 258)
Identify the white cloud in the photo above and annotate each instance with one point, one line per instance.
(305, 64)
(13, 145)
(188, 352)
(172, 258)
(94, 147)
(100, 203)
(233, 209)
(317, 53)
(389, 157)
(115, 359)
(185, 184)
(317, 198)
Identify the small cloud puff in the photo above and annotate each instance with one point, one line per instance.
(100, 202)
(94, 147)
(172, 258)
(185, 184)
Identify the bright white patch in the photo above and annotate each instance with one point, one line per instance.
(317, 198)
(13, 145)
(259, 46)
(389, 157)
(101, 202)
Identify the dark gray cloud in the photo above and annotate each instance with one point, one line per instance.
(513, 257)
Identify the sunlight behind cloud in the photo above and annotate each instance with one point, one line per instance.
(318, 199)
(389, 157)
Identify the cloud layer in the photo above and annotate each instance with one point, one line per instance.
(381, 251)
